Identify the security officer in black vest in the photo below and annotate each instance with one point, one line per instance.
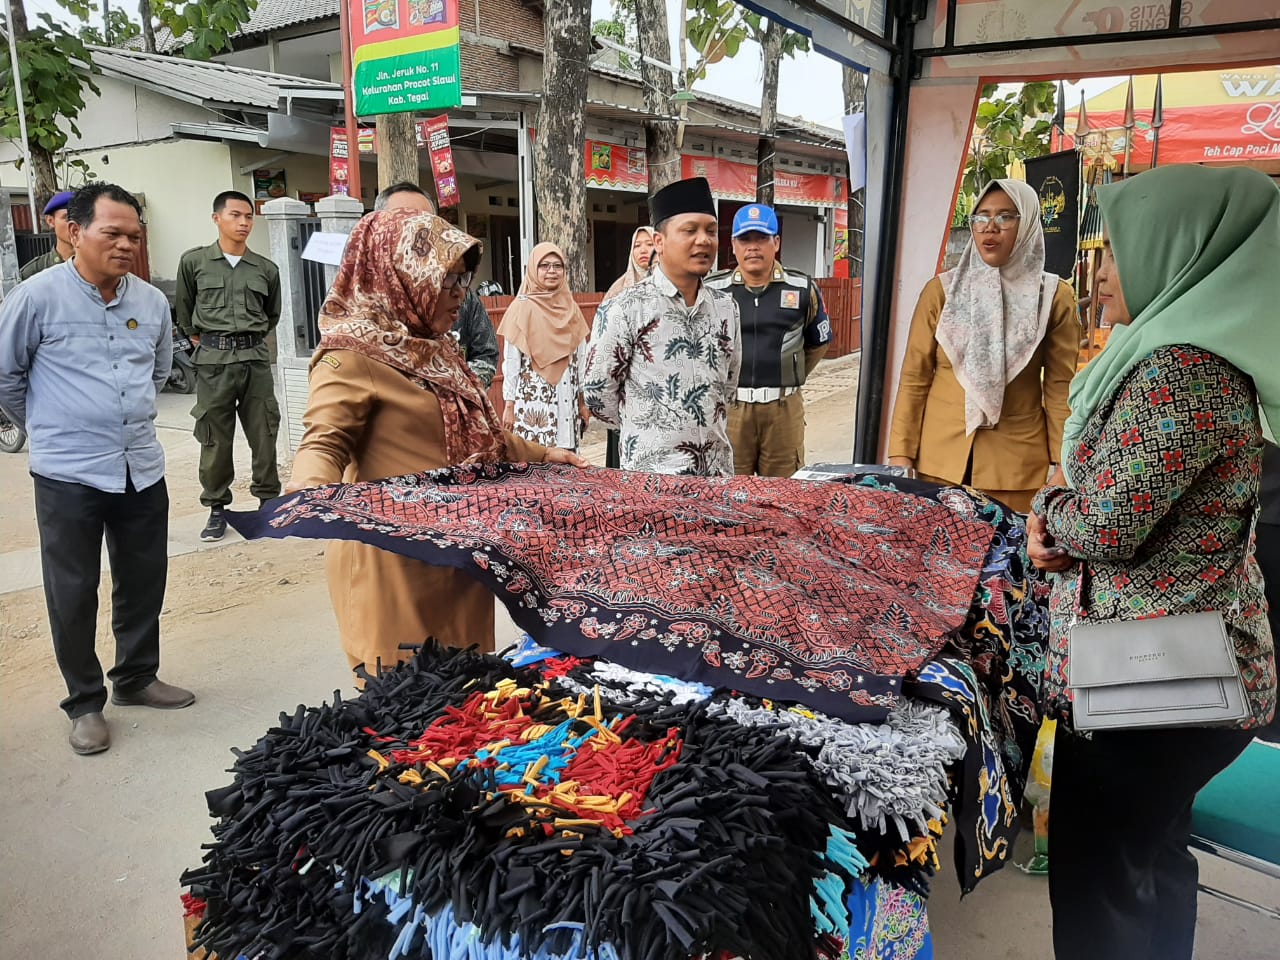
(785, 332)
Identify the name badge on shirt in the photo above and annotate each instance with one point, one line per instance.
(131, 323)
(790, 299)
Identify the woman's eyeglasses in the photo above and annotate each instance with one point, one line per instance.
(1003, 221)
(554, 266)
(452, 280)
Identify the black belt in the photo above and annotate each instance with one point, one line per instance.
(235, 341)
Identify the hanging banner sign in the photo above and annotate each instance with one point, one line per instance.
(404, 56)
(434, 134)
(615, 167)
(339, 168)
(737, 181)
(1056, 179)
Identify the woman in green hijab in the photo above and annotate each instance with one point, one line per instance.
(1162, 455)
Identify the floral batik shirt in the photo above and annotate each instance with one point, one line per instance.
(1162, 510)
(544, 414)
(665, 374)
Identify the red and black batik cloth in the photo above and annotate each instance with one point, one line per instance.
(821, 593)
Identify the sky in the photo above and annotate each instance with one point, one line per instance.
(810, 84)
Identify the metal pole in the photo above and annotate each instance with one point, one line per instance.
(22, 116)
(348, 103)
(875, 353)
(528, 212)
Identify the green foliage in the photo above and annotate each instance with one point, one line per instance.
(615, 30)
(209, 23)
(122, 29)
(52, 87)
(718, 28)
(1011, 126)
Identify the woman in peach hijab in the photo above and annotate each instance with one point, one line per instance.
(546, 346)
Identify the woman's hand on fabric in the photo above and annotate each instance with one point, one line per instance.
(1041, 549)
(561, 455)
(509, 415)
(902, 462)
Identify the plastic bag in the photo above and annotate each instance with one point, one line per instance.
(1037, 794)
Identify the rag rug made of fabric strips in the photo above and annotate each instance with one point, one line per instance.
(811, 592)
(464, 807)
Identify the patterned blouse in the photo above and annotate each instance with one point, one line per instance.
(544, 414)
(665, 373)
(1166, 485)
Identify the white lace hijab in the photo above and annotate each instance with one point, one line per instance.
(995, 318)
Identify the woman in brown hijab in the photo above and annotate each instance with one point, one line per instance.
(546, 349)
(392, 395)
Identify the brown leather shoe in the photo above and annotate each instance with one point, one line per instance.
(89, 734)
(156, 694)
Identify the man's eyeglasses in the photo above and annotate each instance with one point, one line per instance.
(452, 280)
(1003, 221)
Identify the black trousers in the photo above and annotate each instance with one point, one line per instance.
(1269, 560)
(1121, 880)
(72, 519)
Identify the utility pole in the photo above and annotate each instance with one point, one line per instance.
(348, 103)
(22, 110)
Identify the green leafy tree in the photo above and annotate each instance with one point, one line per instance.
(57, 70)
(204, 27)
(717, 29)
(1009, 126)
(118, 28)
(620, 27)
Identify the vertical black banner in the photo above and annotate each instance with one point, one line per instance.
(1056, 178)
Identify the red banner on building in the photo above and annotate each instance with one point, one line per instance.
(615, 167)
(339, 167)
(731, 180)
(434, 134)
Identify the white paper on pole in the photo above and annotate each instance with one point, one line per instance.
(855, 145)
(325, 248)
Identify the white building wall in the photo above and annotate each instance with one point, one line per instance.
(802, 239)
(177, 180)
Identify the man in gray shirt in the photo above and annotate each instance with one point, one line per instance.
(85, 346)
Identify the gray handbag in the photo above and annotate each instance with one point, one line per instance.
(1176, 671)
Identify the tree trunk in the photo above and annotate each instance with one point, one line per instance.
(46, 177)
(397, 149)
(148, 28)
(855, 101)
(559, 177)
(653, 37)
(774, 35)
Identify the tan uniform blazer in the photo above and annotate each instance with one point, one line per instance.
(366, 420)
(928, 417)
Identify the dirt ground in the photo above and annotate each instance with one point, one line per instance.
(91, 848)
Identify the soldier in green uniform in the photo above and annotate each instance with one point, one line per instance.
(55, 218)
(228, 300)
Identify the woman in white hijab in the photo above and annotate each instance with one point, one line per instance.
(637, 265)
(992, 350)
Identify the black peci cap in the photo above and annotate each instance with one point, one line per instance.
(683, 196)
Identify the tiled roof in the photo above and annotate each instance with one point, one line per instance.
(270, 15)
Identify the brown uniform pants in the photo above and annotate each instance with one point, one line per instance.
(768, 438)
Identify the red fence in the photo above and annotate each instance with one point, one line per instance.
(842, 297)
